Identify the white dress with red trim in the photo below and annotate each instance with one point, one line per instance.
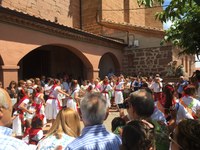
(118, 93)
(19, 117)
(39, 106)
(52, 104)
(105, 88)
(71, 102)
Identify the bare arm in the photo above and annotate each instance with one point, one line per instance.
(42, 98)
(62, 92)
(76, 97)
(22, 106)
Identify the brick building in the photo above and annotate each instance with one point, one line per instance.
(86, 39)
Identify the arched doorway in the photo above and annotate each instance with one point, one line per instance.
(52, 61)
(108, 64)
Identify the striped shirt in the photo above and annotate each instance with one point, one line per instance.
(7, 142)
(51, 142)
(95, 137)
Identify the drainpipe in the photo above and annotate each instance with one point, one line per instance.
(81, 22)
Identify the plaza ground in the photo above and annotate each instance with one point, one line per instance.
(112, 114)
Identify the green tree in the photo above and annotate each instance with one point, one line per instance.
(185, 30)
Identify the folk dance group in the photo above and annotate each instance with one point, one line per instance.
(29, 100)
(172, 102)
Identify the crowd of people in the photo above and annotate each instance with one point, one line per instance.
(159, 115)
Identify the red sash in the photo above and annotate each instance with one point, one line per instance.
(38, 106)
(190, 111)
(52, 89)
(21, 112)
(20, 101)
(26, 132)
(32, 133)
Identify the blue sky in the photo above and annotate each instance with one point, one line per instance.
(168, 23)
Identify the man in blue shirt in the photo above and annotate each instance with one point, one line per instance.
(180, 86)
(7, 142)
(94, 134)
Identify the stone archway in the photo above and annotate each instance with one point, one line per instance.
(108, 64)
(54, 61)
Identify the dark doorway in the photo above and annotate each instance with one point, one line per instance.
(108, 65)
(51, 61)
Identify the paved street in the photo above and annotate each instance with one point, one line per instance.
(113, 113)
(107, 122)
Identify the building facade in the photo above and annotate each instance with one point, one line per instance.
(85, 39)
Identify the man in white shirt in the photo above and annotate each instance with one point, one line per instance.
(157, 89)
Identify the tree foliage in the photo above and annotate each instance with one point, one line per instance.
(185, 30)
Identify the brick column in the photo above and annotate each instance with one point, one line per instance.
(8, 73)
(92, 73)
(95, 73)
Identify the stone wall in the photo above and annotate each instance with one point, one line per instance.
(66, 12)
(148, 61)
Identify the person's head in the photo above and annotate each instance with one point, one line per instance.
(57, 81)
(96, 81)
(190, 90)
(138, 135)
(74, 84)
(68, 122)
(157, 75)
(140, 104)
(5, 108)
(150, 79)
(32, 80)
(22, 83)
(43, 78)
(105, 80)
(93, 109)
(89, 89)
(13, 84)
(29, 84)
(37, 81)
(168, 92)
(144, 85)
(50, 81)
(23, 92)
(157, 79)
(39, 89)
(84, 82)
(37, 121)
(181, 78)
(186, 135)
(117, 122)
(92, 80)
